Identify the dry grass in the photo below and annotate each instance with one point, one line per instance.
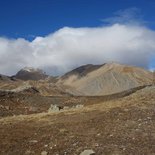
(125, 126)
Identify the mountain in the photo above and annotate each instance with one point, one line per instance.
(4, 78)
(104, 79)
(87, 80)
(29, 73)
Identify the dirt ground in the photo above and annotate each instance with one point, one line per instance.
(123, 126)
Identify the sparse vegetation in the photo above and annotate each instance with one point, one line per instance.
(42, 117)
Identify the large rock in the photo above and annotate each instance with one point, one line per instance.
(55, 108)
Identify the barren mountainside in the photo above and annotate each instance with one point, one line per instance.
(87, 80)
(106, 79)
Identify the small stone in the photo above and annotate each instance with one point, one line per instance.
(111, 135)
(148, 117)
(75, 144)
(97, 145)
(124, 149)
(33, 141)
(79, 106)
(87, 152)
(44, 153)
(7, 107)
(28, 152)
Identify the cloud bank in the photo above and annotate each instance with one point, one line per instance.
(68, 48)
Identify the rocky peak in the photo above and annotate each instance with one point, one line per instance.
(29, 73)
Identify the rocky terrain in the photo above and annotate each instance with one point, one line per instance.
(121, 126)
(95, 109)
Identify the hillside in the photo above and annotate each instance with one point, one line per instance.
(105, 79)
(122, 126)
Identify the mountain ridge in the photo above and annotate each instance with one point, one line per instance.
(86, 80)
(109, 78)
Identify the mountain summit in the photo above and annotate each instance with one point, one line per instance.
(29, 73)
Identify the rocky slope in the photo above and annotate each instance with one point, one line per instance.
(105, 79)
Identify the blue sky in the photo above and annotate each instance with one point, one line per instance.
(28, 18)
(59, 35)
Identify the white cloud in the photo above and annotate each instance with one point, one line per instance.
(68, 48)
(128, 16)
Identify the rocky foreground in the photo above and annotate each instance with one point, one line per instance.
(123, 126)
